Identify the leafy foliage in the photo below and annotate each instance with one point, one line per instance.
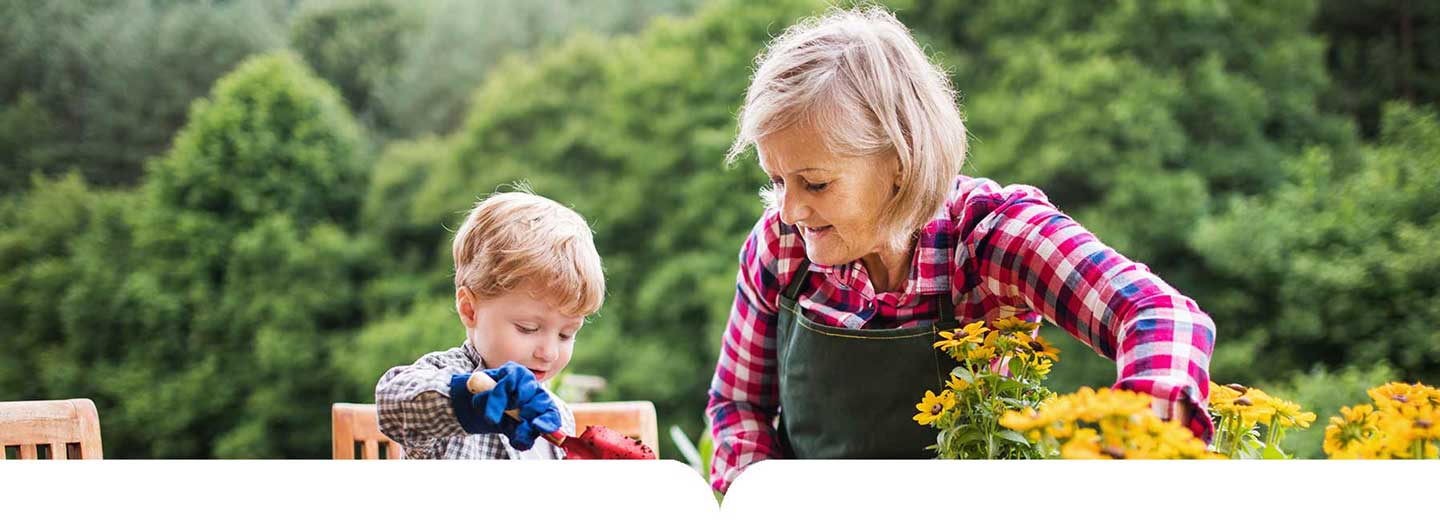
(106, 84)
(264, 266)
(1337, 259)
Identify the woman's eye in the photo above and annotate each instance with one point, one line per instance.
(526, 330)
(817, 188)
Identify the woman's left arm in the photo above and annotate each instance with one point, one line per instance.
(1027, 254)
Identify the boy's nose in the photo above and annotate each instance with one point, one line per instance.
(548, 351)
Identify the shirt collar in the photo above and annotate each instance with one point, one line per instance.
(473, 355)
(929, 263)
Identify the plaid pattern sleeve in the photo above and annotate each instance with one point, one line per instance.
(1000, 252)
(744, 395)
(1026, 257)
(413, 408)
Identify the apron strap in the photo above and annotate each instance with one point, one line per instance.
(797, 282)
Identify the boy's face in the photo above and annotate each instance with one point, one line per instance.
(518, 327)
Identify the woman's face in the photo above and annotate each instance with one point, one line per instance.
(834, 200)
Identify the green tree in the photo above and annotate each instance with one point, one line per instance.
(1380, 50)
(357, 47)
(1338, 266)
(37, 236)
(460, 41)
(28, 135)
(114, 77)
(204, 319)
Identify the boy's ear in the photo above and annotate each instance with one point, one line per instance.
(465, 306)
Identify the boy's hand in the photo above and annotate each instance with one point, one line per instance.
(515, 389)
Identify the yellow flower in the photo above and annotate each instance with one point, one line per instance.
(956, 384)
(976, 329)
(948, 341)
(1023, 420)
(1015, 324)
(1039, 366)
(986, 351)
(1289, 414)
(1427, 423)
(1395, 395)
(932, 406)
(1085, 444)
(1222, 398)
(1413, 422)
(1095, 404)
(1255, 406)
(1354, 426)
(1044, 348)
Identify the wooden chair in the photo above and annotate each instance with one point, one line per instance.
(355, 426)
(68, 429)
(631, 418)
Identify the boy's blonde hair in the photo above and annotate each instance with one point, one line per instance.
(861, 78)
(519, 240)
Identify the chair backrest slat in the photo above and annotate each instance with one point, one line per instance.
(356, 423)
(68, 429)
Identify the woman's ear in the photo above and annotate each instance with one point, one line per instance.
(899, 173)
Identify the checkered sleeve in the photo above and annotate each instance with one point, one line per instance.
(1030, 256)
(744, 393)
(412, 403)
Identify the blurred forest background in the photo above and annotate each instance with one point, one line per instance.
(218, 218)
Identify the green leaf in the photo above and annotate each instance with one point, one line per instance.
(971, 434)
(1273, 452)
(1009, 386)
(964, 374)
(1013, 436)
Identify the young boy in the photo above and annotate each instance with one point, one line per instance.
(526, 276)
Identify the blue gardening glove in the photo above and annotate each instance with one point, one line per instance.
(515, 389)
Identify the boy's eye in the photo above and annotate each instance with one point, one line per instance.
(566, 337)
(777, 182)
(817, 188)
(526, 330)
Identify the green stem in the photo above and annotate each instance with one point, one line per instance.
(1220, 430)
(1235, 439)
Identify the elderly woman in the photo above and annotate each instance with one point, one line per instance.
(873, 241)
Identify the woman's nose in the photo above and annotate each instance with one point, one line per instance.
(792, 209)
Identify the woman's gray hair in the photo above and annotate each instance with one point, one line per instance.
(860, 77)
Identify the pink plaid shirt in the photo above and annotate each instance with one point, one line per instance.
(1013, 254)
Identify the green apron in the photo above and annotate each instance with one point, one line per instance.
(851, 394)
